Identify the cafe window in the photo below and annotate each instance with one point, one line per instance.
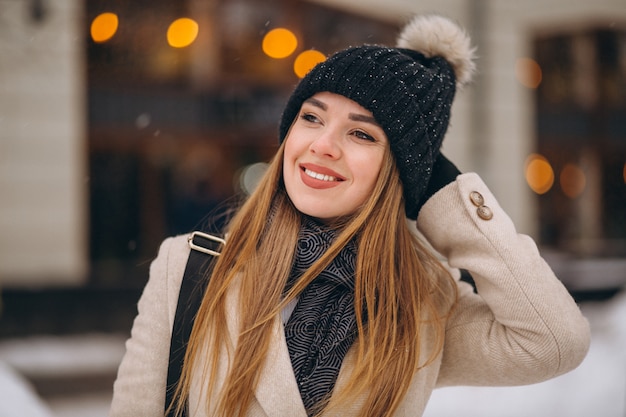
(579, 169)
(182, 97)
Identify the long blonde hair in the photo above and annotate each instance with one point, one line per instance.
(400, 286)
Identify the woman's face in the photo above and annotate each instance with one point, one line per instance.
(333, 155)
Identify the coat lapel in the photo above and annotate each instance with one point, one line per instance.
(277, 390)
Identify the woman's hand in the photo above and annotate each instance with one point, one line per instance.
(444, 172)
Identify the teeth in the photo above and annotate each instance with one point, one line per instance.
(319, 176)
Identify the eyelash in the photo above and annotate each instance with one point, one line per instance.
(308, 117)
(364, 136)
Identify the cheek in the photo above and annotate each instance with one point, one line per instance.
(370, 169)
(288, 153)
(293, 146)
(368, 185)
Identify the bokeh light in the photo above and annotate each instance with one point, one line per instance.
(104, 27)
(251, 175)
(306, 61)
(539, 173)
(182, 32)
(528, 72)
(279, 43)
(572, 180)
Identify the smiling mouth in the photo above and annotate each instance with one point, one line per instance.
(320, 177)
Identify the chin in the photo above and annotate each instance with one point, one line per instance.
(322, 216)
(319, 213)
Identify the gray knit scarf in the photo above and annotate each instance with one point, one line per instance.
(322, 326)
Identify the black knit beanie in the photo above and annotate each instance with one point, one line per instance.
(409, 89)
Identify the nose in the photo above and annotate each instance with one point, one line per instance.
(327, 144)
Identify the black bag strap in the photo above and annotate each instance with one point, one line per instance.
(204, 251)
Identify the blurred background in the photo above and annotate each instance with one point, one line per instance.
(125, 121)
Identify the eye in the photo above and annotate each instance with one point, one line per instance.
(308, 117)
(364, 136)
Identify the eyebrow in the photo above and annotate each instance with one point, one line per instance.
(363, 118)
(352, 116)
(315, 102)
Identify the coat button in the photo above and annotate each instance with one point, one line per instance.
(484, 212)
(477, 198)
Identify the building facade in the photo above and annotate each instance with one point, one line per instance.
(107, 146)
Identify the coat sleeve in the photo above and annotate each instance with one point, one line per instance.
(522, 326)
(139, 389)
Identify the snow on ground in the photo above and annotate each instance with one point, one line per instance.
(596, 388)
(17, 397)
(60, 356)
(50, 357)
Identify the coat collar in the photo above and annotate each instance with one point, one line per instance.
(277, 391)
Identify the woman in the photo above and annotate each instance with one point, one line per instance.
(323, 302)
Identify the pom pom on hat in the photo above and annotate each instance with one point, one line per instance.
(434, 35)
(409, 89)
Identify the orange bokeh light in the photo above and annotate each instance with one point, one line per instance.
(572, 180)
(528, 72)
(539, 174)
(182, 32)
(104, 27)
(279, 43)
(306, 61)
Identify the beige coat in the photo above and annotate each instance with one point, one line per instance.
(523, 328)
